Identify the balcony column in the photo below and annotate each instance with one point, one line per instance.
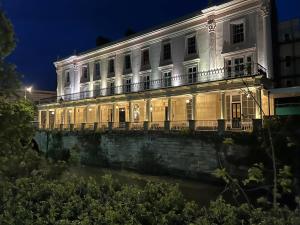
(47, 119)
(258, 112)
(130, 112)
(148, 110)
(194, 107)
(113, 113)
(170, 109)
(267, 37)
(86, 114)
(74, 116)
(222, 107)
(211, 25)
(40, 119)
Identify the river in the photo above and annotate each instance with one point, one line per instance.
(200, 192)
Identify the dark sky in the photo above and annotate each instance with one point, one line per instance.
(46, 29)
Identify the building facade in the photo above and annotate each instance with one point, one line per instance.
(206, 70)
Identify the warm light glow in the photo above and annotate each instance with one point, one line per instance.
(117, 107)
(151, 108)
(90, 109)
(187, 101)
(29, 89)
(248, 95)
(52, 112)
(70, 111)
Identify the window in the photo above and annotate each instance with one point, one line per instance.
(191, 45)
(167, 79)
(189, 110)
(145, 57)
(192, 74)
(97, 71)
(127, 62)
(97, 91)
(128, 85)
(287, 61)
(146, 82)
(67, 78)
(238, 33)
(167, 51)
(111, 66)
(85, 72)
(239, 66)
(111, 86)
(229, 68)
(249, 65)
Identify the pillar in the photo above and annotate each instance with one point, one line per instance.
(258, 113)
(169, 109)
(148, 110)
(47, 119)
(194, 107)
(130, 111)
(222, 101)
(86, 114)
(113, 113)
(40, 119)
(211, 24)
(74, 116)
(267, 37)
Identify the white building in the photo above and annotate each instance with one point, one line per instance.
(206, 67)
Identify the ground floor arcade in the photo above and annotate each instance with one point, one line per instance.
(198, 111)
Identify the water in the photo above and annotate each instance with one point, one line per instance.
(200, 192)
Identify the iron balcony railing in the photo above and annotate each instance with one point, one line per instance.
(168, 82)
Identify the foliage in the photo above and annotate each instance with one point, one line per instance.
(7, 41)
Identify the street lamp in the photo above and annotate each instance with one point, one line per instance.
(27, 89)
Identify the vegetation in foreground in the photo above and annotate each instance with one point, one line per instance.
(33, 192)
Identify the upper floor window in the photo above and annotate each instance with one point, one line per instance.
(192, 74)
(146, 82)
(85, 73)
(97, 71)
(145, 57)
(127, 83)
(167, 79)
(191, 45)
(111, 87)
(127, 62)
(238, 32)
(111, 66)
(167, 51)
(67, 78)
(239, 66)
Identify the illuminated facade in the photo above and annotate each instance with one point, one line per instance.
(201, 72)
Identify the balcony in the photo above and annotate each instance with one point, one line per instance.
(175, 81)
(160, 126)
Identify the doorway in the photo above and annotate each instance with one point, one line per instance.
(236, 115)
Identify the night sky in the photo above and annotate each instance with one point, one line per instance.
(46, 29)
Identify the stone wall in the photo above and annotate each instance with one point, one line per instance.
(184, 155)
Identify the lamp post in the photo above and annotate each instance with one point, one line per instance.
(27, 89)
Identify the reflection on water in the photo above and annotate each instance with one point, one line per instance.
(200, 192)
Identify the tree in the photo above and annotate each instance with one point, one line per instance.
(9, 78)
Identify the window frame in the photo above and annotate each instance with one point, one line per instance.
(166, 43)
(143, 58)
(236, 23)
(85, 68)
(167, 81)
(187, 38)
(109, 72)
(125, 62)
(95, 76)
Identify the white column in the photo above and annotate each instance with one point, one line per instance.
(60, 85)
(40, 119)
(113, 113)
(130, 111)
(170, 108)
(267, 37)
(258, 113)
(148, 110)
(194, 107)
(211, 24)
(222, 105)
(47, 119)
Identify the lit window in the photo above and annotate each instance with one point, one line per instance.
(191, 45)
(237, 33)
(167, 51)
(97, 71)
(192, 74)
(127, 62)
(167, 79)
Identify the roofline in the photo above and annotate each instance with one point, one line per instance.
(154, 29)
